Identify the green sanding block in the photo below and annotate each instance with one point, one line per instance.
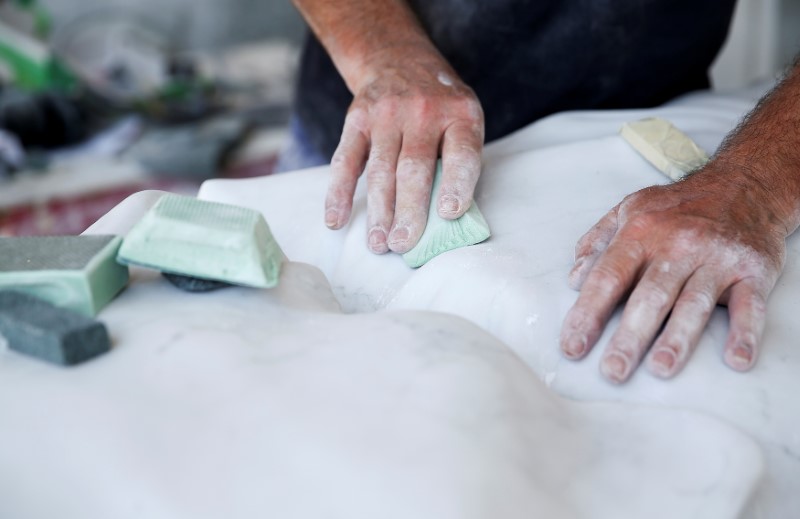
(75, 272)
(207, 240)
(442, 235)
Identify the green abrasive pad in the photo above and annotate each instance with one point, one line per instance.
(75, 272)
(442, 235)
(207, 240)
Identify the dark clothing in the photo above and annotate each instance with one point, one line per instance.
(526, 59)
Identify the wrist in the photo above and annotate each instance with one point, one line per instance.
(770, 195)
(409, 59)
(365, 37)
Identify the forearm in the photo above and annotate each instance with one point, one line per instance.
(360, 34)
(763, 154)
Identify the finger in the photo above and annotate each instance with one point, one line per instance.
(685, 326)
(415, 170)
(347, 164)
(644, 313)
(605, 285)
(380, 169)
(461, 167)
(591, 246)
(747, 307)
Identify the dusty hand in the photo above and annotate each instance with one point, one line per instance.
(400, 120)
(681, 248)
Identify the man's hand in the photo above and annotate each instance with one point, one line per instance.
(398, 123)
(716, 237)
(678, 250)
(409, 108)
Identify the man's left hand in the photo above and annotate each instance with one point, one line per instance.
(677, 251)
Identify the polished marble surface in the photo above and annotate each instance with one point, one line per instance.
(273, 403)
(277, 403)
(541, 189)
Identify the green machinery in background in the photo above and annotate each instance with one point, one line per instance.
(26, 61)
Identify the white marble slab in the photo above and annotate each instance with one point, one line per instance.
(273, 403)
(542, 188)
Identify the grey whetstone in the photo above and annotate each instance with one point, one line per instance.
(75, 272)
(193, 284)
(32, 253)
(37, 328)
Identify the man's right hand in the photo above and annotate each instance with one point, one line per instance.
(407, 112)
(409, 108)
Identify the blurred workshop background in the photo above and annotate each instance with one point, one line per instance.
(103, 98)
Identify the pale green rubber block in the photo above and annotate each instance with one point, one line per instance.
(75, 272)
(442, 235)
(207, 240)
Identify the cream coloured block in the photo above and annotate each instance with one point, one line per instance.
(664, 146)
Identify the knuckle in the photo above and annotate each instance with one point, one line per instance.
(380, 179)
(687, 239)
(386, 108)
(345, 162)
(655, 297)
(469, 106)
(640, 224)
(337, 195)
(378, 164)
(700, 300)
(627, 343)
(758, 304)
(582, 247)
(463, 168)
(357, 118)
(379, 210)
(639, 202)
(606, 277)
(583, 320)
(591, 243)
(675, 346)
(410, 168)
(423, 107)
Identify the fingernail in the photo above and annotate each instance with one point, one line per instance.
(377, 241)
(741, 357)
(398, 236)
(331, 218)
(574, 346)
(614, 367)
(449, 204)
(662, 363)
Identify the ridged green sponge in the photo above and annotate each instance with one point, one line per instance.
(75, 272)
(207, 240)
(442, 235)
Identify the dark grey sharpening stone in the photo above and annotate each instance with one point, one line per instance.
(193, 284)
(37, 328)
